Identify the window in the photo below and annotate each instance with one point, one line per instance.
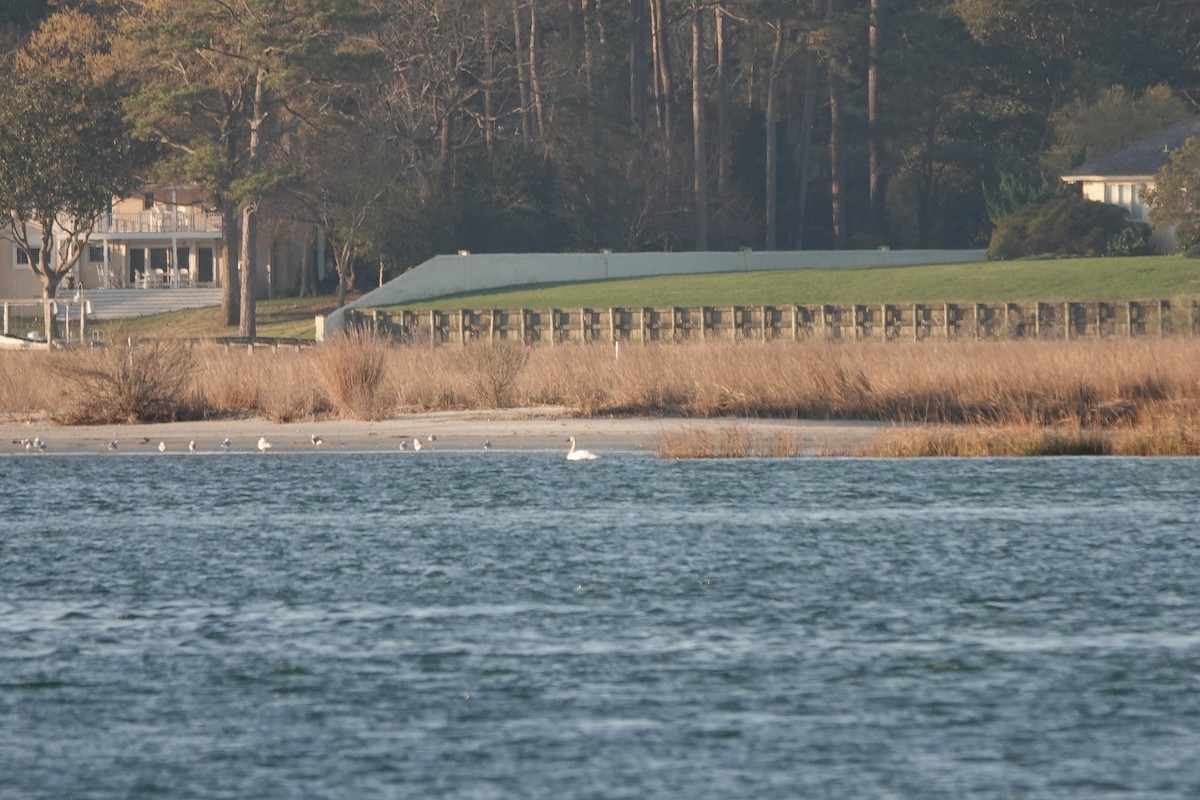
(22, 259)
(148, 201)
(96, 254)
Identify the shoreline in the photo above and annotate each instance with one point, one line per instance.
(529, 429)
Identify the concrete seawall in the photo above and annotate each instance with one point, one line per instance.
(444, 275)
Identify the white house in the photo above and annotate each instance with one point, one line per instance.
(1121, 177)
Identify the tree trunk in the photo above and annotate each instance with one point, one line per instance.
(724, 168)
(772, 145)
(664, 80)
(589, 68)
(699, 148)
(249, 248)
(307, 272)
(522, 73)
(877, 220)
(489, 79)
(227, 273)
(804, 145)
(535, 78)
(637, 64)
(249, 256)
(836, 169)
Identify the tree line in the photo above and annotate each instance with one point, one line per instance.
(406, 128)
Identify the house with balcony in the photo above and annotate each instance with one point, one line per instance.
(1122, 177)
(166, 238)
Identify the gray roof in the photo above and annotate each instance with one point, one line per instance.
(1142, 159)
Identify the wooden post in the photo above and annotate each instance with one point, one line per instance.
(612, 327)
(6, 318)
(432, 326)
(642, 326)
(1129, 319)
(946, 320)
(1163, 305)
(84, 307)
(795, 324)
(916, 322)
(583, 325)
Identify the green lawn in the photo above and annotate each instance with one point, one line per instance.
(288, 318)
(1064, 279)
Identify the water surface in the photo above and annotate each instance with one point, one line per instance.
(496, 625)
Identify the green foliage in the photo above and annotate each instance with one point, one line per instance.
(1018, 188)
(1064, 226)
(1175, 198)
(1086, 130)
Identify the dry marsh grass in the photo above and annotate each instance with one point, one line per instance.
(1145, 390)
(728, 441)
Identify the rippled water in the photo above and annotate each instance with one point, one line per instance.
(501, 625)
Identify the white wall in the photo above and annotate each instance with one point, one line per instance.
(445, 275)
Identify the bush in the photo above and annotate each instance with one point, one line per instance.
(133, 382)
(353, 367)
(1067, 226)
(491, 369)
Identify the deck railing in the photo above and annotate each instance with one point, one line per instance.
(159, 221)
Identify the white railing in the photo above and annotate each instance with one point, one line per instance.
(160, 221)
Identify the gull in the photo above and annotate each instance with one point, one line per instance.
(27, 444)
(192, 446)
(431, 438)
(579, 455)
(404, 444)
(263, 444)
(316, 440)
(112, 445)
(417, 445)
(225, 445)
(487, 445)
(39, 444)
(162, 447)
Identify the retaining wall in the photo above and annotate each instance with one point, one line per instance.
(444, 275)
(885, 322)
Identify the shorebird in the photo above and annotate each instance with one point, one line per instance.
(225, 445)
(417, 445)
(39, 444)
(431, 438)
(192, 446)
(263, 444)
(404, 444)
(487, 445)
(112, 445)
(162, 447)
(27, 444)
(316, 440)
(579, 455)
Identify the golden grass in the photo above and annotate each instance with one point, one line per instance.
(728, 441)
(1143, 395)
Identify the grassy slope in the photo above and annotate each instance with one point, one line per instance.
(289, 317)
(1067, 279)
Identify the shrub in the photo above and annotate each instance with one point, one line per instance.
(1065, 226)
(491, 370)
(145, 381)
(353, 367)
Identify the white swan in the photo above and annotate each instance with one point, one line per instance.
(579, 455)
(263, 444)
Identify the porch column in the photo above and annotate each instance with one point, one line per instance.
(106, 283)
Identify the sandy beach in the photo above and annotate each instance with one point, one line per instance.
(511, 429)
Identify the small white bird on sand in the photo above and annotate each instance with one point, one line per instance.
(40, 444)
(112, 445)
(579, 455)
(487, 445)
(263, 444)
(431, 438)
(404, 444)
(27, 444)
(162, 447)
(228, 443)
(317, 442)
(417, 445)
(192, 446)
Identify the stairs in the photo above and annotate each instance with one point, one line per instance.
(128, 303)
